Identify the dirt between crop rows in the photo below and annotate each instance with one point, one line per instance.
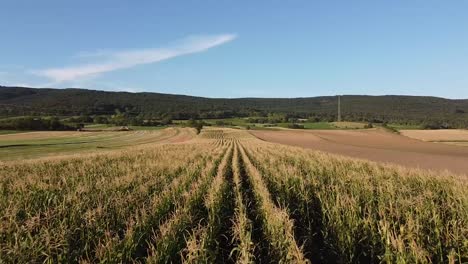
(376, 145)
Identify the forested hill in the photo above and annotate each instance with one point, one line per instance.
(15, 101)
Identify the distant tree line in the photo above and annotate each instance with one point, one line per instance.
(120, 118)
(155, 108)
(34, 123)
(76, 122)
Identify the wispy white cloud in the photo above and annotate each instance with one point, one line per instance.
(110, 61)
(93, 54)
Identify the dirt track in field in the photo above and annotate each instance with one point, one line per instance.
(376, 145)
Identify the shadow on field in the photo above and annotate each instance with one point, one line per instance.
(262, 251)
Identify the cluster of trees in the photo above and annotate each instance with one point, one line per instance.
(75, 122)
(129, 118)
(273, 118)
(34, 123)
(295, 126)
(197, 124)
(436, 125)
(122, 118)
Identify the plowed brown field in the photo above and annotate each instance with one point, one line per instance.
(376, 145)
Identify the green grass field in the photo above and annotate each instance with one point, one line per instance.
(40, 144)
(241, 122)
(5, 132)
(311, 125)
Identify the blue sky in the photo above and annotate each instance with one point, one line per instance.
(238, 48)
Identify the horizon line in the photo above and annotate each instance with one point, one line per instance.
(207, 97)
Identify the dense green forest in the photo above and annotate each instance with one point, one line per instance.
(432, 111)
(35, 123)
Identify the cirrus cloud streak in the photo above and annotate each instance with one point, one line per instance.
(111, 61)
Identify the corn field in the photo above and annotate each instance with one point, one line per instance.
(227, 197)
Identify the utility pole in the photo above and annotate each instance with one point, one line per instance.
(339, 108)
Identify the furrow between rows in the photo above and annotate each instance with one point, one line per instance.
(277, 226)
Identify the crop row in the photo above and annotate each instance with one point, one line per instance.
(227, 197)
(352, 211)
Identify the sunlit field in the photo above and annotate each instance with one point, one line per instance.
(447, 136)
(226, 196)
(52, 143)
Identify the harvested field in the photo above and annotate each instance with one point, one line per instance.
(52, 143)
(447, 136)
(376, 145)
(347, 125)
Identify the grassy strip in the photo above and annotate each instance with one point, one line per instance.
(6, 132)
(277, 225)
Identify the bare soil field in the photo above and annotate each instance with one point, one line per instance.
(376, 145)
